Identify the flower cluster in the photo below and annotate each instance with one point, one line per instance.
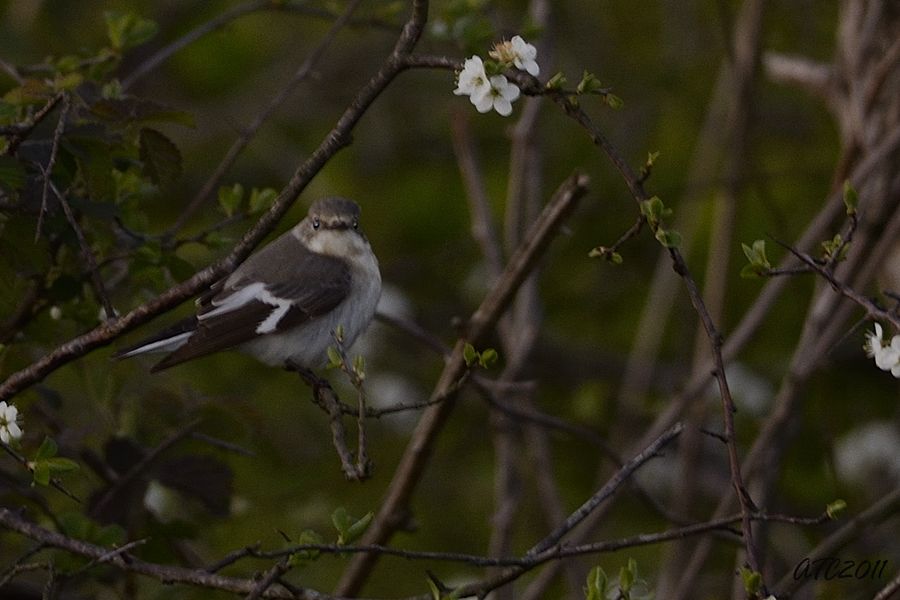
(9, 426)
(887, 356)
(495, 91)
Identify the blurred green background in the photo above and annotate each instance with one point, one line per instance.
(661, 58)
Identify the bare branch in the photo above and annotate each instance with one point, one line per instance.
(883, 509)
(302, 73)
(141, 467)
(169, 574)
(395, 506)
(337, 139)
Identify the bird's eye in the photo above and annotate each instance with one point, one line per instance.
(355, 224)
(316, 222)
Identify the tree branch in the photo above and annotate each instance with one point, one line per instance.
(337, 139)
(394, 509)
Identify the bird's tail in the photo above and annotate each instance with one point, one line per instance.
(167, 340)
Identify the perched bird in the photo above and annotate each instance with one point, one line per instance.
(284, 302)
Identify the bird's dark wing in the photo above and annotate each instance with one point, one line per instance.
(266, 297)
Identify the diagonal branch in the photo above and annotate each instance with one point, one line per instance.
(169, 574)
(302, 73)
(336, 140)
(395, 507)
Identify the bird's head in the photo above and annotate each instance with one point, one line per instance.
(332, 227)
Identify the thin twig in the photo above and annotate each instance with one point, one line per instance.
(326, 398)
(39, 116)
(873, 311)
(337, 139)
(391, 514)
(483, 229)
(142, 466)
(234, 13)
(207, 578)
(550, 544)
(169, 574)
(219, 21)
(57, 136)
(884, 508)
(54, 482)
(271, 576)
(302, 73)
(87, 256)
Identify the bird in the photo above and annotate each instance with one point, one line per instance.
(285, 304)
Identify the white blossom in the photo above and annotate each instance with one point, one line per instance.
(519, 53)
(55, 313)
(9, 427)
(472, 79)
(499, 95)
(887, 356)
(525, 56)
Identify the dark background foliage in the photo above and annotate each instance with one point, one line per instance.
(136, 153)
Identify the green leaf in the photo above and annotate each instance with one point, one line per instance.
(32, 91)
(93, 154)
(161, 158)
(433, 589)
(668, 238)
(597, 584)
(614, 102)
(469, 354)
(759, 262)
(752, 581)
(588, 84)
(341, 519)
(126, 30)
(359, 367)
(60, 465)
(307, 537)
(41, 473)
(648, 164)
(46, 464)
(70, 81)
(230, 198)
(112, 90)
(334, 358)
(556, 82)
(835, 508)
(835, 248)
(628, 575)
(348, 528)
(355, 531)
(752, 272)
(47, 450)
(261, 199)
(851, 198)
(488, 358)
(606, 254)
(8, 113)
(12, 173)
(654, 209)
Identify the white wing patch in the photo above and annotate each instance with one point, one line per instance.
(270, 323)
(234, 301)
(253, 292)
